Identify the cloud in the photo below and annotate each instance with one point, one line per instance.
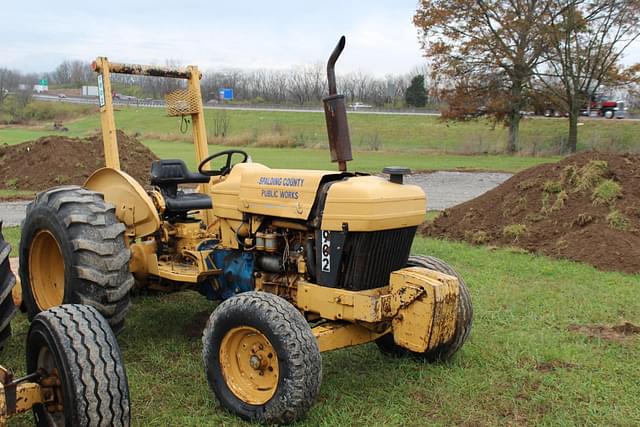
(381, 38)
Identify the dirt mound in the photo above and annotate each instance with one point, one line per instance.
(58, 160)
(618, 333)
(553, 365)
(585, 208)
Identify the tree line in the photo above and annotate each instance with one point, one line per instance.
(302, 85)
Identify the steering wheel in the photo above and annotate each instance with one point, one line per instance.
(227, 166)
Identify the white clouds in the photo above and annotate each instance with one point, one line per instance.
(258, 34)
(249, 34)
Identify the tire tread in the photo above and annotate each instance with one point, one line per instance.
(298, 339)
(84, 339)
(464, 319)
(7, 281)
(99, 264)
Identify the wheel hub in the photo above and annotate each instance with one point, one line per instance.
(46, 270)
(51, 387)
(249, 365)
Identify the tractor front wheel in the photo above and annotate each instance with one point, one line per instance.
(261, 358)
(72, 250)
(464, 317)
(76, 353)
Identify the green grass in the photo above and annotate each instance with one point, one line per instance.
(12, 235)
(394, 132)
(419, 142)
(4, 194)
(368, 161)
(377, 140)
(523, 305)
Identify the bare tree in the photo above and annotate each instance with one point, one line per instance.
(587, 39)
(473, 42)
(9, 80)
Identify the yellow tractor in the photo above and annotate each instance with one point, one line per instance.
(304, 261)
(75, 375)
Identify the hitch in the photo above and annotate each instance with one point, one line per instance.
(335, 112)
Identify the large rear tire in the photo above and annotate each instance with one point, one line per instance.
(464, 319)
(76, 351)
(7, 282)
(261, 358)
(72, 250)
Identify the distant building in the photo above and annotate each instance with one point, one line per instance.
(89, 90)
(42, 86)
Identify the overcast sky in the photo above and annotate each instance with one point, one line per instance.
(36, 35)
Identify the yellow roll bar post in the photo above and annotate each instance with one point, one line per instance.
(107, 120)
(197, 119)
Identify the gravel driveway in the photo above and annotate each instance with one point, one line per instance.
(447, 189)
(444, 189)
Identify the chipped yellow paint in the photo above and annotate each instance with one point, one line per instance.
(430, 320)
(335, 335)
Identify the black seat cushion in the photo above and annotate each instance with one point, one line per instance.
(184, 202)
(171, 172)
(166, 175)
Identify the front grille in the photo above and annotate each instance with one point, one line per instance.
(369, 257)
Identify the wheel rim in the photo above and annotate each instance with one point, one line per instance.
(46, 270)
(46, 363)
(249, 365)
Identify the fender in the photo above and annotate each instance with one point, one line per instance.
(134, 208)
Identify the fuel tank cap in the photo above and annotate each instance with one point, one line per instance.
(396, 173)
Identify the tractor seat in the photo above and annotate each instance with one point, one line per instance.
(185, 202)
(173, 172)
(166, 175)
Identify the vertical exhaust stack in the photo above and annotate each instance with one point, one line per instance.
(335, 112)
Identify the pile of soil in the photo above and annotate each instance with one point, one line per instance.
(618, 333)
(57, 160)
(585, 208)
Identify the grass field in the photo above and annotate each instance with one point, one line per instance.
(366, 161)
(421, 142)
(393, 132)
(521, 366)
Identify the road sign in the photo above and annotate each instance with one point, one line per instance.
(101, 99)
(225, 94)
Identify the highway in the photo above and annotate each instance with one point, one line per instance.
(158, 103)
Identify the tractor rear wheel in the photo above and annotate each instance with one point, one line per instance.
(72, 250)
(7, 282)
(464, 319)
(74, 349)
(261, 358)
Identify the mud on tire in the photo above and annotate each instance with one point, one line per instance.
(90, 241)
(78, 343)
(464, 319)
(298, 358)
(7, 282)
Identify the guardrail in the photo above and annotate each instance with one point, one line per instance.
(158, 103)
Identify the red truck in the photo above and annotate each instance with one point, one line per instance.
(600, 106)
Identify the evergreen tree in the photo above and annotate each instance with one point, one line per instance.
(416, 94)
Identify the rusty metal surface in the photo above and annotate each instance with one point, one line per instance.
(335, 335)
(146, 70)
(427, 305)
(331, 74)
(335, 111)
